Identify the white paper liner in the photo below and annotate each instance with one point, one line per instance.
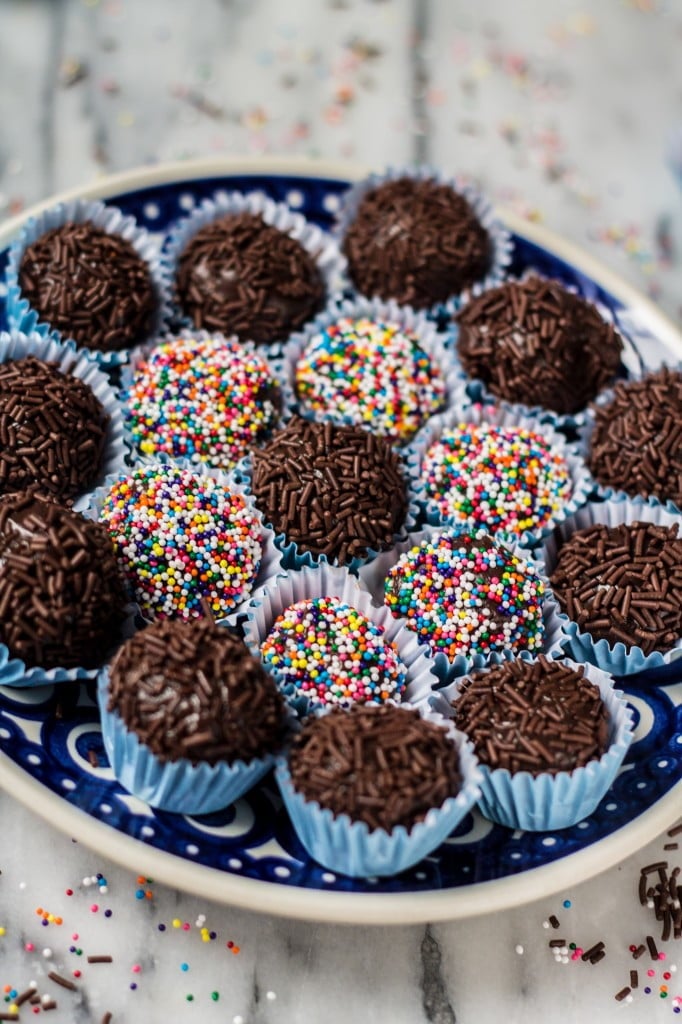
(615, 658)
(352, 848)
(279, 593)
(22, 317)
(547, 802)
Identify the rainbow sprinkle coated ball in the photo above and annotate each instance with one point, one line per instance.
(463, 593)
(367, 372)
(207, 399)
(330, 653)
(180, 539)
(503, 478)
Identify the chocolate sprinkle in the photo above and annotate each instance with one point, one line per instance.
(242, 276)
(58, 979)
(334, 491)
(540, 716)
(636, 445)
(533, 342)
(623, 583)
(90, 285)
(52, 430)
(62, 600)
(382, 765)
(192, 690)
(416, 241)
(664, 899)
(620, 996)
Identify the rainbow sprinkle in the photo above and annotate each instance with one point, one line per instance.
(330, 653)
(503, 478)
(207, 399)
(182, 539)
(465, 594)
(368, 372)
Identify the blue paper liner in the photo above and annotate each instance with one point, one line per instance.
(504, 415)
(500, 236)
(352, 848)
(615, 658)
(281, 591)
(540, 803)
(319, 245)
(22, 317)
(435, 343)
(179, 787)
(77, 363)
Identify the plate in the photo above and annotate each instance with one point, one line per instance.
(51, 752)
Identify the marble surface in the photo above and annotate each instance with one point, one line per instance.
(563, 111)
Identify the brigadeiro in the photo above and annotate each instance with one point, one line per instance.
(53, 430)
(417, 241)
(536, 343)
(190, 718)
(62, 599)
(337, 491)
(636, 441)
(90, 285)
(240, 275)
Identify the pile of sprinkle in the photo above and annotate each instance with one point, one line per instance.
(182, 540)
(208, 399)
(503, 478)
(463, 593)
(370, 372)
(332, 654)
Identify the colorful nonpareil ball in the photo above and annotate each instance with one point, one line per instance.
(185, 542)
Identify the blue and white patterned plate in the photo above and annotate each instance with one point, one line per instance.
(51, 752)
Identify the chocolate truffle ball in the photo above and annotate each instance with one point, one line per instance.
(636, 445)
(383, 765)
(62, 600)
(537, 717)
(90, 285)
(623, 584)
(52, 430)
(242, 276)
(534, 342)
(333, 491)
(416, 241)
(192, 690)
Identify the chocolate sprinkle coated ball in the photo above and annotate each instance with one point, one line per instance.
(52, 430)
(62, 600)
(333, 491)
(533, 342)
(623, 584)
(385, 766)
(90, 285)
(636, 445)
(241, 276)
(418, 242)
(536, 717)
(192, 690)
(462, 593)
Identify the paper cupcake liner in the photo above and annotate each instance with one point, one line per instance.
(179, 787)
(271, 557)
(142, 352)
(279, 593)
(447, 669)
(22, 317)
(504, 415)
(434, 343)
(293, 558)
(541, 803)
(500, 236)
(352, 848)
(319, 245)
(614, 658)
(15, 345)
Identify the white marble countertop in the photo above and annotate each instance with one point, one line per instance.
(564, 113)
